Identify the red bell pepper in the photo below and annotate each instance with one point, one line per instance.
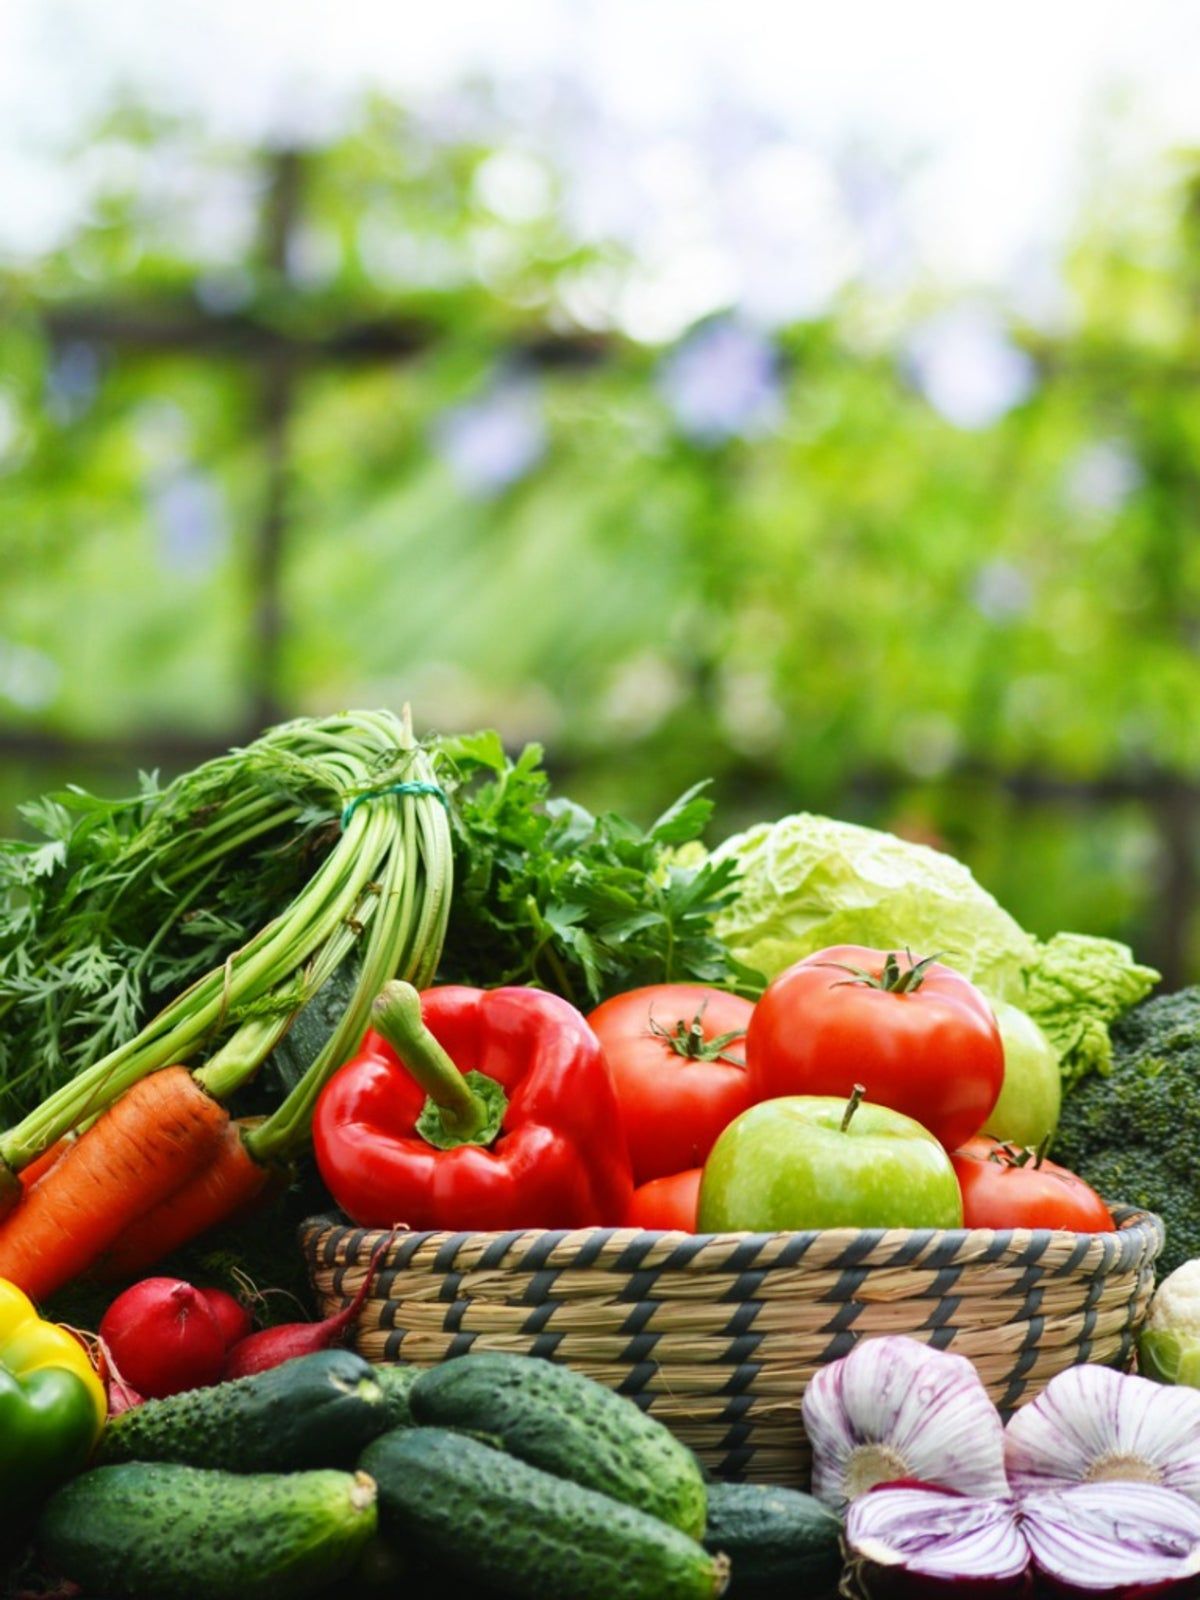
(530, 1137)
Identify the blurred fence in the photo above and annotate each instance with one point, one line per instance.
(1134, 583)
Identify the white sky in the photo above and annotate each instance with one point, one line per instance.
(991, 113)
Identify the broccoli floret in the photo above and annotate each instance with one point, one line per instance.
(1134, 1132)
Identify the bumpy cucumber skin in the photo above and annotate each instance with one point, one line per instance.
(158, 1531)
(778, 1540)
(566, 1424)
(397, 1385)
(316, 1411)
(487, 1517)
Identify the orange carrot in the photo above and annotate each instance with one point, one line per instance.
(41, 1165)
(228, 1184)
(141, 1149)
(11, 1191)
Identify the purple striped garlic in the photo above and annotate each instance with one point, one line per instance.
(896, 1409)
(1094, 1425)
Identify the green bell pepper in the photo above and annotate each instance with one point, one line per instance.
(52, 1404)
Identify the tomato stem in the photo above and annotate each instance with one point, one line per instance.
(687, 1039)
(856, 1099)
(893, 979)
(1014, 1155)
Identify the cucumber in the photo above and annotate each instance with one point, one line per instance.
(487, 1518)
(568, 1425)
(775, 1539)
(397, 1384)
(315, 1411)
(151, 1530)
(387, 1572)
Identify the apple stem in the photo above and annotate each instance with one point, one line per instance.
(852, 1105)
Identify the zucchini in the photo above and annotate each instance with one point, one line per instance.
(486, 1518)
(151, 1530)
(776, 1539)
(315, 1411)
(568, 1425)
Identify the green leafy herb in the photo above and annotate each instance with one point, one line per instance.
(547, 894)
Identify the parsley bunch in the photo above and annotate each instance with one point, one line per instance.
(587, 906)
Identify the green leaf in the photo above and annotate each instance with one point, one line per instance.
(549, 894)
(686, 819)
(483, 749)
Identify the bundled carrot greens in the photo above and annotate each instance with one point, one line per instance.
(351, 805)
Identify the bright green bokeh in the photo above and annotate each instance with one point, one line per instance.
(858, 607)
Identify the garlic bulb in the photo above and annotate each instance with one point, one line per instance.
(893, 1409)
(1094, 1425)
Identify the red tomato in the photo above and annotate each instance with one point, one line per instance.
(676, 1051)
(666, 1202)
(1002, 1190)
(919, 1038)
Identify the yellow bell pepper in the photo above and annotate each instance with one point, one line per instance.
(27, 1344)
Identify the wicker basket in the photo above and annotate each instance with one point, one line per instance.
(717, 1334)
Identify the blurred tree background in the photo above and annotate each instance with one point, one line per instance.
(361, 420)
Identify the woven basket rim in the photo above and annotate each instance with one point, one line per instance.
(717, 1335)
(1139, 1236)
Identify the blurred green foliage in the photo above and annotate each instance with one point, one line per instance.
(838, 596)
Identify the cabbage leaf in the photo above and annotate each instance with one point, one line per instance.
(808, 882)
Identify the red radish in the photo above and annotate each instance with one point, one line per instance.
(164, 1336)
(231, 1314)
(121, 1397)
(273, 1346)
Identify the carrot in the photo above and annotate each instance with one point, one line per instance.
(226, 1185)
(39, 1167)
(141, 1149)
(11, 1192)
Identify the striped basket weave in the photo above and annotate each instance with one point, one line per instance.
(718, 1334)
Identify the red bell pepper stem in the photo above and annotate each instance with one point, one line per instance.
(397, 1016)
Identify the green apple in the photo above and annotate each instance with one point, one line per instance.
(1031, 1095)
(819, 1161)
